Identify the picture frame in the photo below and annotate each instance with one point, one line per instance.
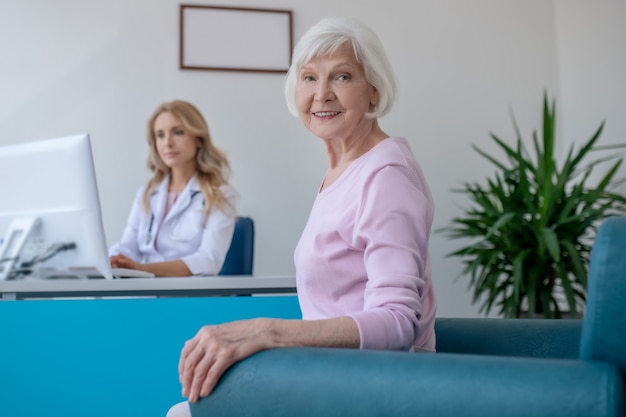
(218, 38)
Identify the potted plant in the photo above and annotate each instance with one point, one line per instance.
(532, 225)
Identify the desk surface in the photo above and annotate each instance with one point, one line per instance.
(175, 286)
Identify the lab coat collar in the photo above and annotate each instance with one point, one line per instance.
(159, 197)
(184, 199)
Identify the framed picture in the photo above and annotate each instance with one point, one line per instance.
(235, 39)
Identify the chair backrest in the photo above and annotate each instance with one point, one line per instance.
(240, 255)
(604, 326)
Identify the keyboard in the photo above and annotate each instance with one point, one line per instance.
(130, 273)
(88, 273)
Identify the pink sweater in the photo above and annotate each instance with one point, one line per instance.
(364, 251)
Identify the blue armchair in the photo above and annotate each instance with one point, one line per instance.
(484, 367)
(240, 255)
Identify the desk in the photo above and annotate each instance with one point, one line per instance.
(115, 356)
(180, 287)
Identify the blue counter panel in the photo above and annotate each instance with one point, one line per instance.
(107, 357)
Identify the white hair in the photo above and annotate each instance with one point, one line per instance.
(325, 38)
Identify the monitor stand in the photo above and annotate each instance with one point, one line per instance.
(18, 233)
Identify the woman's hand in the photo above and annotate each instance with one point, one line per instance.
(214, 349)
(121, 261)
(206, 356)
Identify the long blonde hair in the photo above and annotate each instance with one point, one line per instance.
(212, 167)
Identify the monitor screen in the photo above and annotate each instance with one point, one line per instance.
(50, 217)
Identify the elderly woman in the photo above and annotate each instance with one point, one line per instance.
(362, 263)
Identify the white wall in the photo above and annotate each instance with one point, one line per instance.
(591, 40)
(102, 66)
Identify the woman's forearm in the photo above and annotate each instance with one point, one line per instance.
(336, 332)
(176, 268)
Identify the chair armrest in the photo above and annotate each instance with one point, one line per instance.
(313, 382)
(510, 337)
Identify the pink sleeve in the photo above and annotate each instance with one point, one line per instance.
(394, 226)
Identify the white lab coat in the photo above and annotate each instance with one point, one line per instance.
(182, 233)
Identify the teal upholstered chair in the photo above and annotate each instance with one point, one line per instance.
(240, 256)
(484, 367)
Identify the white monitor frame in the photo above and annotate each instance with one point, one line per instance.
(53, 181)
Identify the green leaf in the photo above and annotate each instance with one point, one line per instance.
(552, 243)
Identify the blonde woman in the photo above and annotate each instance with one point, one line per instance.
(182, 220)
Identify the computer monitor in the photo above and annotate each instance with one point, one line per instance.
(50, 217)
